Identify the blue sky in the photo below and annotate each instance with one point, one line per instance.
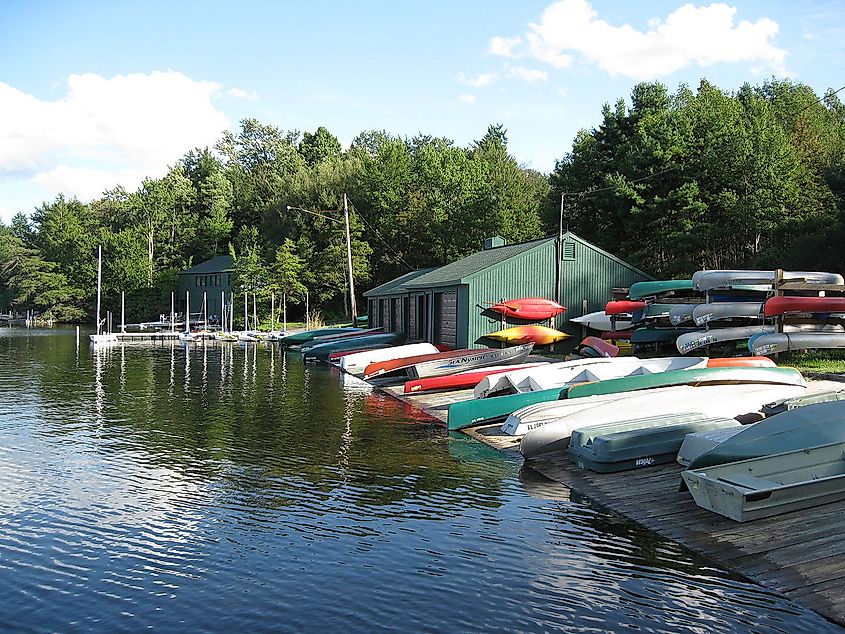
(95, 93)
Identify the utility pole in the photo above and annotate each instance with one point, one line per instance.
(559, 250)
(349, 261)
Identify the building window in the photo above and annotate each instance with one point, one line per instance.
(196, 280)
(568, 250)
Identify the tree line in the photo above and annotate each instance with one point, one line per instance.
(672, 182)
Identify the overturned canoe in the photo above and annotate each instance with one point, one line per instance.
(639, 290)
(538, 335)
(357, 363)
(660, 335)
(620, 306)
(529, 308)
(723, 401)
(600, 320)
(596, 347)
(690, 341)
(709, 279)
(681, 313)
(770, 343)
(776, 306)
(321, 352)
(299, 338)
(718, 311)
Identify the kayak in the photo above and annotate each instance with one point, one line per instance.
(538, 335)
(529, 308)
(460, 380)
(620, 306)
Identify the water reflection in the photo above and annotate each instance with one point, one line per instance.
(299, 501)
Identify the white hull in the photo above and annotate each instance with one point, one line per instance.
(104, 338)
(711, 279)
(356, 363)
(715, 311)
(728, 401)
(481, 358)
(600, 320)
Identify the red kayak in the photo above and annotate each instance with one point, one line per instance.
(529, 308)
(620, 306)
(742, 362)
(782, 305)
(459, 381)
(379, 368)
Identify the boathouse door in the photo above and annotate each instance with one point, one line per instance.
(446, 318)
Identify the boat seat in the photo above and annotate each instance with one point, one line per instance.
(747, 481)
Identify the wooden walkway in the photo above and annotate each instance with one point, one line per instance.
(800, 555)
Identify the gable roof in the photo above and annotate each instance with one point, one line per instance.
(217, 264)
(609, 256)
(395, 285)
(457, 272)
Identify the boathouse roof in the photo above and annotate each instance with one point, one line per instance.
(217, 264)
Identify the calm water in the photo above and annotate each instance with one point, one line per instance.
(231, 488)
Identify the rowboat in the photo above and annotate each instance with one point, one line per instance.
(558, 375)
(716, 311)
(697, 443)
(460, 380)
(776, 306)
(449, 362)
(787, 404)
(600, 320)
(579, 397)
(727, 401)
(356, 363)
(710, 279)
(620, 306)
(640, 290)
(772, 342)
(320, 352)
(529, 308)
(793, 429)
(538, 335)
(637, 443)
(299, 338)
(771, 485)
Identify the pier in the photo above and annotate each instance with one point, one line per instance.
(800, 555)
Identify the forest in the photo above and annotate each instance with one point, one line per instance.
(671, 181)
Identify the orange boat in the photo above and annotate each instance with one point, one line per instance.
(742, 362)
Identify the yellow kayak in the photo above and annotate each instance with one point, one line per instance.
(538, 335)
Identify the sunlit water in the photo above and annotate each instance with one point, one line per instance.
(231, 488)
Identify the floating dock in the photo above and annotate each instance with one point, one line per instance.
(800, 555)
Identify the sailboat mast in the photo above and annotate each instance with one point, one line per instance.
(272, 311)
(99, 282)
(187, 311)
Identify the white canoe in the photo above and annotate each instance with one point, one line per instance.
(681, 313)
(473, 359)
(357, 362)
(715, 311)
(727, 401)
(570, 372)
(690, 341)
(709, 279)
(600, 320)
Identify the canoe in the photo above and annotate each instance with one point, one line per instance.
(786, 404)
(772, 342)
(620, 306)
(299, 338)
(538, 335)
(316, 341)
(741, 362)
(716, 311)
(472, 359)
(776, 306)
(699, 376)
(697, 443)
(322, 351)
(558, 375)
(600, 320)
(724, 401)
(681, 313)
(529, 308)
(357, 363)
(335, 357)
(771, 485)
(621, 447)
(654, 311)
(639, 290)
(710, 279)
(579, 397)
(793, 429)
(660, 335)
(448, 362)
(617, 335)
(460, 380)
(600, 347)
(690, 341)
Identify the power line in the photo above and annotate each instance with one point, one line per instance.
(383, 241)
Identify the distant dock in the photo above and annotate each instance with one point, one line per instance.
(800, 555)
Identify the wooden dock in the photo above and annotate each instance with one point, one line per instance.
(800, 555)
(152, 335)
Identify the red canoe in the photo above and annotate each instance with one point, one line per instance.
(617, 335)
(380, 368)
(529, 308)
(602, 348)
(460, 380)
(620, 306)
(742, 362)
(782, 305)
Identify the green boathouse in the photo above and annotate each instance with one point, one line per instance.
(449, 305)
(208, 279)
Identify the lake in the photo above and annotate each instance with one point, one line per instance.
(210, 487)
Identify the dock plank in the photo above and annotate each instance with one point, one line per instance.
(800, 555)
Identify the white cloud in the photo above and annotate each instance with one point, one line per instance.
(703, 35)
(104, 132)
(528, 74)
(239, 93)
(479, 81)
(504, 46)
(467, 98)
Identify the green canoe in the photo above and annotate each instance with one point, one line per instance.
(639, 290)
(321, 351)
(298, 338)
(490, 410)
(786, 376)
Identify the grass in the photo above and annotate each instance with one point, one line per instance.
(828, 361)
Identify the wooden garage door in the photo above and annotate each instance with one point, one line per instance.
(446, 318)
